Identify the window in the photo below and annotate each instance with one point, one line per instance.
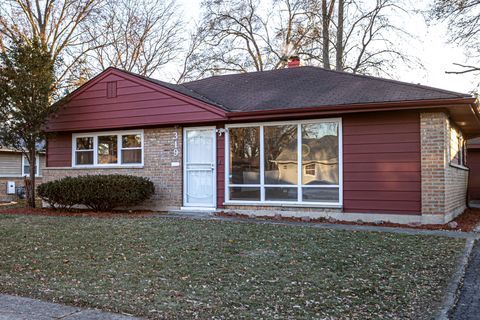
(310, 169)
(26, 166)
(131, 148)
(107, 149)
(284, 163)
(457, 147)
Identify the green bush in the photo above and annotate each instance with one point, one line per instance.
(97, 192)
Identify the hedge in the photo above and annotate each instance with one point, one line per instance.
(97, 192)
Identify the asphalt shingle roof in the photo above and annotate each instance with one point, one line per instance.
(303, 87)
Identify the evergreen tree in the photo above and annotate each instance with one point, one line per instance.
(27, 80)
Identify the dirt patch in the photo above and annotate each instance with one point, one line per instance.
(467, 221)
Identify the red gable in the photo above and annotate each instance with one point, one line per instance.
(117, 99)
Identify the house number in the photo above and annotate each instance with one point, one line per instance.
(175, 144)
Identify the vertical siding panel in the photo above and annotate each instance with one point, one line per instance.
(59, 150)
(382, 163)
(473, 162)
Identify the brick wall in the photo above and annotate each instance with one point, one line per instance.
(158, 158)
(443, 185)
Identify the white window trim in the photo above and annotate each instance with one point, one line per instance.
(37, 166)
(95, 136)
(299, 186)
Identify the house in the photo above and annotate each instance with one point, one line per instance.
(301, 141)
(14, 166)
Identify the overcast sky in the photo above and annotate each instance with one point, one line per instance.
(430, 47)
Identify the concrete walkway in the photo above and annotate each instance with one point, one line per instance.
(18, 308)
(333, 226)
(468, 304)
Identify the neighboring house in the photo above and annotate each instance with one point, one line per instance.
(14, 166)
(299, 142)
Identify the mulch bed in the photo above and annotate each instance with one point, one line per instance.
(465, 222)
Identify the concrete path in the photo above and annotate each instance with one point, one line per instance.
(18, 308)
(468, 304)
(333, 226)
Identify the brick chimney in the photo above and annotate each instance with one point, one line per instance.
(293, 61)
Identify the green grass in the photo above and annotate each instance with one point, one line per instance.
(165, 268)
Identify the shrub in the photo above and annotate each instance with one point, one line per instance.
(97, 192)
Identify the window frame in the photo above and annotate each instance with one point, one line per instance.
(299, 186)
(37, 166)
(95, 136)
(461, 151)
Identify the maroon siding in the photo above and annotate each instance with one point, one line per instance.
(473, 162)
(59, 150)
(220, 169)
(382, 169)
(136, 103)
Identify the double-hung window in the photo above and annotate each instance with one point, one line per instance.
(290, 162)
(108, 149)
(26, 166)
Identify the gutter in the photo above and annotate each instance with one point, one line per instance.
(364, 107)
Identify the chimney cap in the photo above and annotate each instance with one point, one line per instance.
(293, 61)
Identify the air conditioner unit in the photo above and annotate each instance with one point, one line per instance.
(11, 187)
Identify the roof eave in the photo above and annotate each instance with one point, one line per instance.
(350, 108)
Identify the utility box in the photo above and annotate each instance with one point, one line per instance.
(11, 187)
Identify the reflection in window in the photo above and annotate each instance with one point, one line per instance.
(281, 194)
(318, 147)
(107, 149)
(84, 151)
(320, 194)
(457, 147)
(245, 193)
(281, 154)
(310, 169)
(132, 148)
(320, 153)
(245, 155)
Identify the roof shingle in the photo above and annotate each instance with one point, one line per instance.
(304, 87)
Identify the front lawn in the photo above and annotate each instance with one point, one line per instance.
(167, 268)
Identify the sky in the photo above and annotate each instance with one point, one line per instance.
(430, 45)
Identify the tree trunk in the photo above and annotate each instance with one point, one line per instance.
(325, 35)
(30, 185)
(339, 53)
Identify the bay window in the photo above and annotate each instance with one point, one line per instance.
(108, 149)
(291, 162)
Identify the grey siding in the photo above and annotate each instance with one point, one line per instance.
(10, 164)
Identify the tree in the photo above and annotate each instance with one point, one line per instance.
(135, 35)
(463, 18)
(252, 35)
(327, 14)
(27, 77)
(57, 24)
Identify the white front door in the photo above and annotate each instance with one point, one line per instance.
(199, 167)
